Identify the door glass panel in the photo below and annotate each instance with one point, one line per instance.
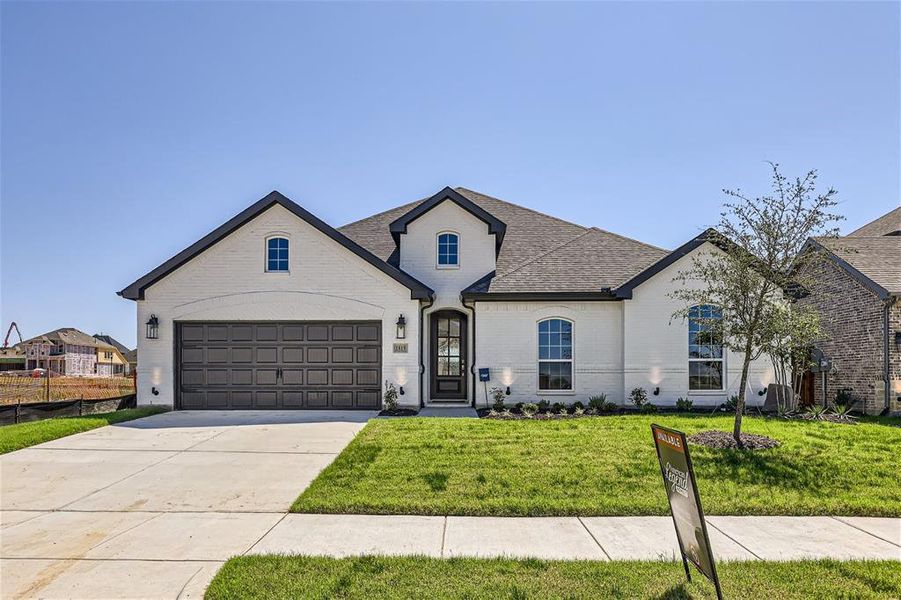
(454, 328)
(442, 327)
(453, 366)
(454, 347)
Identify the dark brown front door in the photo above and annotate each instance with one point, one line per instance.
(448, 353)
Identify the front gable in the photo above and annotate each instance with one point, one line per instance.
(273, 200)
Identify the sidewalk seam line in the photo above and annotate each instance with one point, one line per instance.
(267, 532)
(740, 545)
(584, 526)
(443, 536)
(190, 579)
(840, 520)
(147, 520)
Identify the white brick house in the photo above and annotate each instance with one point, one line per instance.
(277, 309)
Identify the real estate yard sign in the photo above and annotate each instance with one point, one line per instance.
(684, 502)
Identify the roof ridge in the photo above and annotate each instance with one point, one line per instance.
(537, 212)
(540, 256)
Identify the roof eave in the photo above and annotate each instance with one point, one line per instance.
(874, 287)
(625, 290)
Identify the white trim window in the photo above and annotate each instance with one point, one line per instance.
(706, 365)
(555, 355)
(448, 244)
(276, 254)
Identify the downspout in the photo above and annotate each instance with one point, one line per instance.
(886, 308)
(472, 363)
(422, 308)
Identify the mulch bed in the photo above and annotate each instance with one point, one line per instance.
(723, 440)
(516, 415)
(400, 412)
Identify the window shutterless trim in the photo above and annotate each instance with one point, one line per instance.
(287, 259)
(571, 360)
(455, 265)
(722, 359)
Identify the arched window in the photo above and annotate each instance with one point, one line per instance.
(555, 355)
(277, 255)
(705, 348)
(448, 250)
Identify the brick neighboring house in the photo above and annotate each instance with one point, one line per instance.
(857, 297)
(68, 351)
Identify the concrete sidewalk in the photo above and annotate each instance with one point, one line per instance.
(581, 538)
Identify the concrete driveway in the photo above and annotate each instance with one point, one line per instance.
(152, 508)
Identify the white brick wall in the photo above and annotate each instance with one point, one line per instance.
(656, 347)
(508, 344)
(228, 282)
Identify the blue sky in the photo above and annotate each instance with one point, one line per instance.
(129, 130)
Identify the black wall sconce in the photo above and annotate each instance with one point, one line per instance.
(401, 392)
(153, 328)
(507, 390)
(401, 327)
(657, 391)
(154, 391)
(761, 392)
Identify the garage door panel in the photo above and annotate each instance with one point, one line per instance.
(269, 365)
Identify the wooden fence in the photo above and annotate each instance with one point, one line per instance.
(25, 389)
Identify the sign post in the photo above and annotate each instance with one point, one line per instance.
(685, 503)
(485, 376)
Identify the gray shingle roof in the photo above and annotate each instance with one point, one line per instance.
(877, 258)
(108, 339)
(540, 253)
(69, 335)
(887, 224)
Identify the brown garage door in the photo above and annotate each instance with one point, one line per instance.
(285, 365)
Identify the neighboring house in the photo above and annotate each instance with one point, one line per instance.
(132, 357)
(12, 358)
(117, 363)
(277, 309)
(857, 297)
(68, 351)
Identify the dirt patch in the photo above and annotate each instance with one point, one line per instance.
(400, 412)
(722, 440)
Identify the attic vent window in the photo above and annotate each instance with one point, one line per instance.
(448, 250)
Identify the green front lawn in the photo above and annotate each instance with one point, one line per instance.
(605, 466)
(290, 577)
(23, 435)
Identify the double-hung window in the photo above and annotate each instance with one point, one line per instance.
(277, 255)
(705, 349)
(555, 355)
(448, 250)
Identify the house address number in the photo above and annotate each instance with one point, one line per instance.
(400, 348)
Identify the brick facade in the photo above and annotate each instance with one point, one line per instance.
(852, 318)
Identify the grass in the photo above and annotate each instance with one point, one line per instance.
(23, 435)
(605, 466)
(284, 577)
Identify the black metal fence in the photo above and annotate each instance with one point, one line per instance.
(37, 411)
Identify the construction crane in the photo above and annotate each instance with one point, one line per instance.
(9, 332)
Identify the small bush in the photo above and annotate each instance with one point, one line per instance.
(577, 406)
(648, 408)
(543, 405)
(639, 397)
(578, 412)
(816, 412)
(498, 395)
(597, 402)
(684, 404)
(529, 409)
(390, 398)
(558, 408)
(844, 399)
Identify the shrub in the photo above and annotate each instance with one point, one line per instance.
(597, 402)
(529, 409)
(578, 412)
(684, 404)
(498, 395)
(577, 406)
(844, 399)
(543, 405)
(648, 407)
(390, 398)
(816, 412)
(558, 408)
(639, 397)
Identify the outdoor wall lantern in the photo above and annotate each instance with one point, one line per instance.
(657, 391)
(153, 328)
(761, 392)
(154, 391)
(401, 327)
(508, 390)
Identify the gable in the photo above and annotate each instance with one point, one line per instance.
(135, 291)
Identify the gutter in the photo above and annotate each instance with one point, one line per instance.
(472, 363)
(422, 308)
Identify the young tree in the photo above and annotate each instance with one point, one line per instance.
(758, 257)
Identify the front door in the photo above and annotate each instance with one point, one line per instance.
(448, 352)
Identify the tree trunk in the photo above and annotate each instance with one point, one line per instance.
(740, 405)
